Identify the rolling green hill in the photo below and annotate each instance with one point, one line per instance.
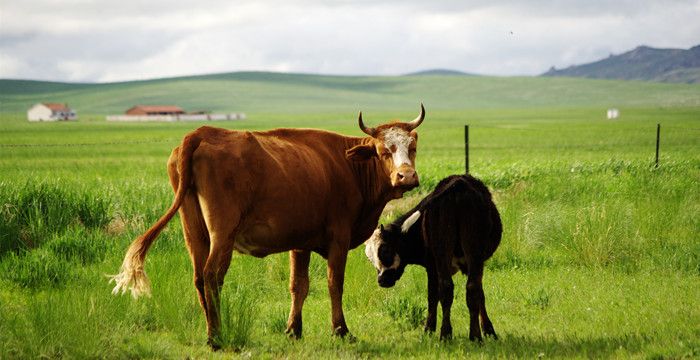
(642, 63)
(277, 93)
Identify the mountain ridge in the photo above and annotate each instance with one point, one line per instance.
(641, 63)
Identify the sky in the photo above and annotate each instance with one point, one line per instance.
(109, 41)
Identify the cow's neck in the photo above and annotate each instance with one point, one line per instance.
(376, 191)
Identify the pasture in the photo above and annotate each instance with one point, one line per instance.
(600, 255)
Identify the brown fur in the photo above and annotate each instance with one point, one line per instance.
(296, 190)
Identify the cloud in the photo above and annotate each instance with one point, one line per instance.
(84, 40)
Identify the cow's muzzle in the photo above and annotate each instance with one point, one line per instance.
(405, 178)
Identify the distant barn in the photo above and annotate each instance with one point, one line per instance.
(170, 113)
(155, 110)
(51, 112)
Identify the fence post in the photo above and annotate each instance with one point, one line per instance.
(466, 148)
(658, 136)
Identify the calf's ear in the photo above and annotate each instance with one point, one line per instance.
(361, 152)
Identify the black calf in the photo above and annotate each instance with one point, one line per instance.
(456, 227)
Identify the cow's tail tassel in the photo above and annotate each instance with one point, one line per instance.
(132, 277)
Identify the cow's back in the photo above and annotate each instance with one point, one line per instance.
(284, 186)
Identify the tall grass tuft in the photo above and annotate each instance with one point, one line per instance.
(238, 316)
(406, 312)
(36, 269)
(32, 214)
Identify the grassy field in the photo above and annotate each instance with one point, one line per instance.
(600, 256)
(274, 93)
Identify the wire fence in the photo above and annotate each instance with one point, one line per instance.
(568, 146)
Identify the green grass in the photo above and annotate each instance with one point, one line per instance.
(600, 256)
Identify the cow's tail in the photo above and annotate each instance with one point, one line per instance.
(132, 276)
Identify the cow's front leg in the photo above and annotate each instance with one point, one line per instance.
(298, 288)
(337, 256)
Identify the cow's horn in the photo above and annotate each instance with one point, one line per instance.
(417, 121)
(366, 130)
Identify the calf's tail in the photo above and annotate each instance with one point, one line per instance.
(132, 276)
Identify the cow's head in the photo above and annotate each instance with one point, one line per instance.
(394, 144)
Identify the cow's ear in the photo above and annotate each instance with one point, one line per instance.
(361, 152)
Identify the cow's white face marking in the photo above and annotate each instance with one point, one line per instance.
(372, 252)
(410, 221)
(398, 141)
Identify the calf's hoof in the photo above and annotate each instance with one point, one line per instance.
(490, 332)
(476, 338)
(429, 326)
(445, 334)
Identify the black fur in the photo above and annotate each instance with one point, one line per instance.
(458, 221)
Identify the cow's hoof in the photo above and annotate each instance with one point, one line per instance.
(344, 333)
(214, 344)
(293, 333)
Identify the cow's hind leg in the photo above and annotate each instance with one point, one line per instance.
(298, 288)
(214, 273)
(194, 229)
(197, 240)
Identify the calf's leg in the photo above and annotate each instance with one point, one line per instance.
(440, 235)
(477, 304)
(298, 288)
(433, 296)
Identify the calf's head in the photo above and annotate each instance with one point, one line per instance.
(383, 249)
(394, 144)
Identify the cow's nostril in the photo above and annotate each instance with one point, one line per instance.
(401, 176)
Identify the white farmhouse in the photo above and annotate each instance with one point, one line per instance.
(51, 112)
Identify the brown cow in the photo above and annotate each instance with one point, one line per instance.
(259, 193)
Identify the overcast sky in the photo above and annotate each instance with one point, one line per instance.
(105, 41)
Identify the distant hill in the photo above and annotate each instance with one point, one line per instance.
(642, 63)
(284, 93)
(439, 72)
